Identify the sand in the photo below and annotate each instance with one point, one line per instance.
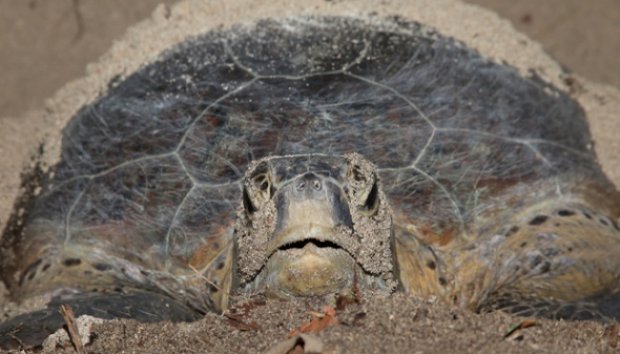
(393, 324)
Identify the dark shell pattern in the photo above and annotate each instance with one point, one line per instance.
(151, 171)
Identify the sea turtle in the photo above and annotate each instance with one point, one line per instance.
(314, 156)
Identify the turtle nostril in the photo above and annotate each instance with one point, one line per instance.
(316, 185)
(309, 183)
(301, 186)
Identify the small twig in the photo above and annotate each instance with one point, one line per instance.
(124, 335)
(74, 333)
(519, 326)
(205, 278)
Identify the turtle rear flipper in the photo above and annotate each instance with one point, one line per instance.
(30, 329)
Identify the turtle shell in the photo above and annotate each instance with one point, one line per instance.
(150, 173)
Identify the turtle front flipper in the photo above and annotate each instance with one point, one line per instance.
(30, 329)
(557, 259)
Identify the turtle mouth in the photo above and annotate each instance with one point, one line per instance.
(320, 240)
(309, 241)
(315, 245)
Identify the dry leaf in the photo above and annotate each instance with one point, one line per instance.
(237, 322)
(343, 301)
(236, 315)
(318, 323)
(248, 306)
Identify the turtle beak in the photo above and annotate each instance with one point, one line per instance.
(311, 211)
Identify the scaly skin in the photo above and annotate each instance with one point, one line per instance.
(552, 258)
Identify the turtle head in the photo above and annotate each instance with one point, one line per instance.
(314, 225)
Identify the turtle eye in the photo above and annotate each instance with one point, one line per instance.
(355, 174)
(261, 183)
(371, 204)
(247, 202)
(257, 191)
(363, 189)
